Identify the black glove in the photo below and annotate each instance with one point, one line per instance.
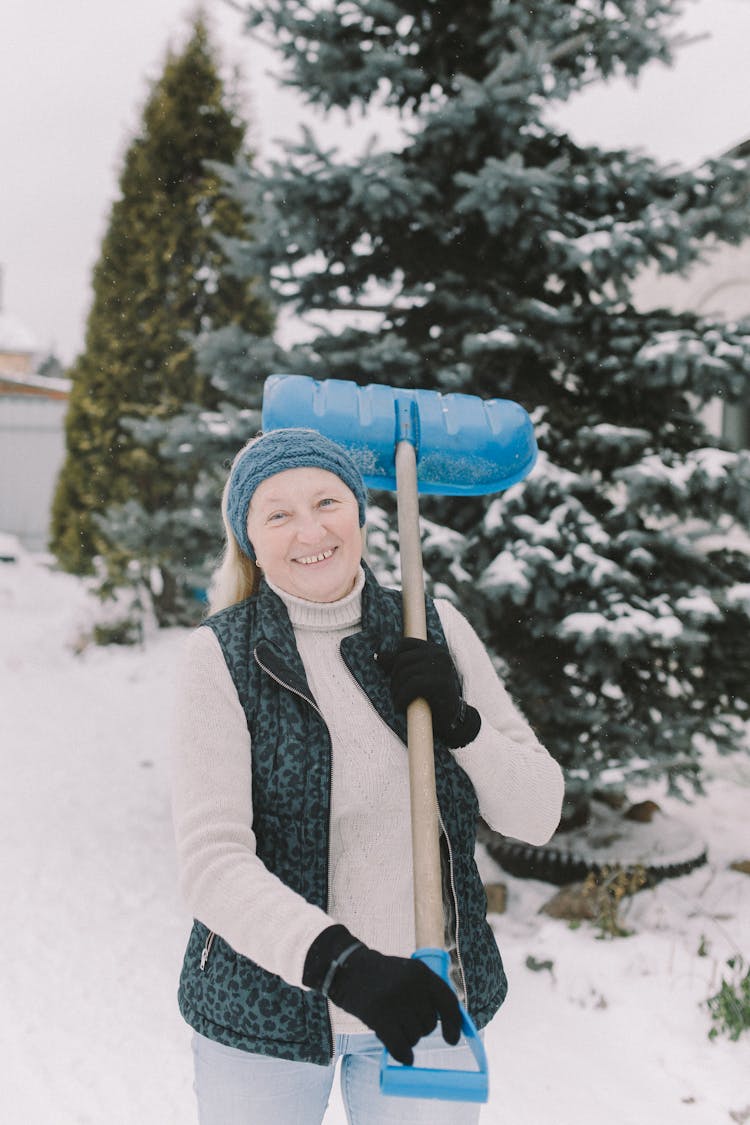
(422, 669)
(400, 999)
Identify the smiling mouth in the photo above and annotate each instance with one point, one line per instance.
(308, 560)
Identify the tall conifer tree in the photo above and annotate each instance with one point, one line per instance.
(160, 281)
(492, 254)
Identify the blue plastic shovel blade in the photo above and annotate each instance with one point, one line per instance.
(466, 446)
(432, 1082)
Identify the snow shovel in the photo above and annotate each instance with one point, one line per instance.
(416, 441)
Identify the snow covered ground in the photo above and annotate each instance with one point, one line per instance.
(93, 931)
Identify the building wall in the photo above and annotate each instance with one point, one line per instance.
(16, 363)
(32, 448)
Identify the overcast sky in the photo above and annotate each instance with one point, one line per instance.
(74, 76)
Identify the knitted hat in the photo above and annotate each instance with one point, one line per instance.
(275, 452)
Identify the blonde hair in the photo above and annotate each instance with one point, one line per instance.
(237, 576)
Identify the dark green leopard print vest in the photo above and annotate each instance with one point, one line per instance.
(226, 996)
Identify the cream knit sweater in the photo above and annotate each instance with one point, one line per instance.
(227, 887)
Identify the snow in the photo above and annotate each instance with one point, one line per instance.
(551, 473)
(700, 607)
(610, 839)
(609, 435)
(665, 344)
(707, 467)
(626, 622)
(215, 424)
(595, 240)
(506, 572)
(739, 595)
(713, 462)
(500, 339)
(612, 1030)
(39, 382)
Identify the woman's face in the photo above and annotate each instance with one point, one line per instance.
(304, 528)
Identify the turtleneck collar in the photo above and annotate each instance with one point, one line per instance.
(342, 614)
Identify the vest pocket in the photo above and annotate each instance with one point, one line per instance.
(236, 995)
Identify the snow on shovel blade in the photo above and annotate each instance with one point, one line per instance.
(465, 445)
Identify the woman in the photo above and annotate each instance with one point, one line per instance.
(291, 807)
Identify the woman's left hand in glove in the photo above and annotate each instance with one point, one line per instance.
(425, 670)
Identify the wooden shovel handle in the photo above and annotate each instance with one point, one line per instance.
(425, 822)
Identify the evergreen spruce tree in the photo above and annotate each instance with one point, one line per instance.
(492, 254)
(160, 282)
(50, 367)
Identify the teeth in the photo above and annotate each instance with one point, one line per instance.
(315, 558)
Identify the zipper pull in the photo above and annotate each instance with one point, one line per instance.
(206, 950)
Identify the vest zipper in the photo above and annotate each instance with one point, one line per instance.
(294, 691)
(313, 704)
(206, 951)
(455, 908)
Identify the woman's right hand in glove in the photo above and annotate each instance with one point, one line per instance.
(399, 998)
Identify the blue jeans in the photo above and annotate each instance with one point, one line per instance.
(238, 1088)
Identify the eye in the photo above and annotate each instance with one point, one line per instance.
(276, 517)
(328, 501)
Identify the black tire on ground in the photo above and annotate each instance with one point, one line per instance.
(553, 865)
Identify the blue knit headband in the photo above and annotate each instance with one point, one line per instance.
(277, 451)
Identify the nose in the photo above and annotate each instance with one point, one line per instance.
(310, 527)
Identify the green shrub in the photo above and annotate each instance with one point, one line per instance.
(730, 1007)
